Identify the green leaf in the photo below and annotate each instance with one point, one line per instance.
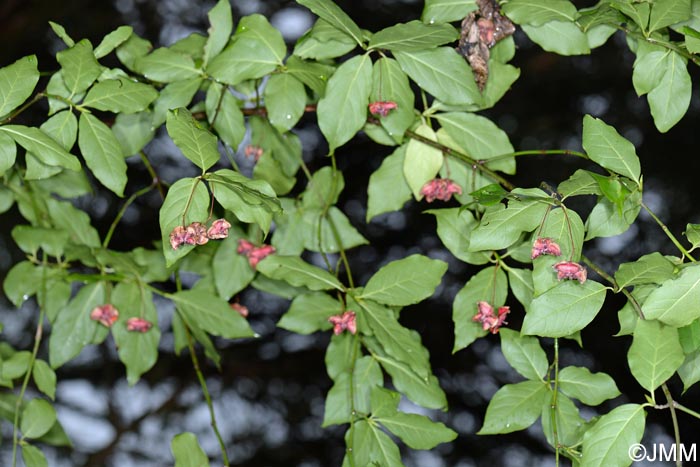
(219, 31)
(564, 309)
(454, 227)
(422, 162)
(561, 37)
(323, 41)
(44, 378)
(60, 31)
(339, 355)
(443, 73)
(45, 148)
(8, 152)
(113, 40)
(17, 82)
(63, 128)
(489, 285)
(590, 388)
(655, 353)
(76, 222)
(608, 441)
(187, 201)
(606, 219)
(446, 11)
(211, 313)
(372, 447)
(667, 12)
(73, 328)
(689, 371)
(299, 273)
(173, 96)
(285, 148)
(569, 426)
(333, 222)
(580, 183)
(38, 417)
(309, 313)
(138, 351)
(120, 95)
(500, 227)
(336, 17)
(79, 67)
(187, 452)
(343, 109)
(478, 137)
(675, 302)
(387, 189)
(195, 142)
(285, 100)
(522, 285)
(33, 457)
(256, 49)
(606, 147)
(670, 100)
(653, 268)
(166, 65)
(413, 36)
(367, 378)
(337, 407)
(514, 407)
(133, 131)
(649, 67)
(22, 281)
(500, 80)
(132, 49)
(524, 353)
(417, 431)
(692, 233)
(224, 115)
(405, 281)
(232, 273)
(323, 188)
(390, 83)
(538, 12)
(638, 12)
(102, 153)
(312, 74)
(16, 366)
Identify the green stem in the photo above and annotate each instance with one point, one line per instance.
(353, 414)
(553, 406)
(685, 409)
(28, 374)
(668, 233)
(189, 199)
(674, 418)
(121, 212)
(616, 288)
(22, 108)
(537, 152)
(652, 40)
(477, 164)
(152, 172)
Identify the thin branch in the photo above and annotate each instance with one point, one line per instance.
(668, 233)
(674, 418)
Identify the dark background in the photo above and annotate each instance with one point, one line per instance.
(269, 395)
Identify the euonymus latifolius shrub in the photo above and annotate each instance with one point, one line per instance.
(417, 86)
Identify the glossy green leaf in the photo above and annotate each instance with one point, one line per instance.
(446, 11)
(413, 36)
(73, 328)
(79, 67)
(120, 96)
(195, 142)
(689, 371)
(323, 41)
(524, 353)
(132, 49)
(187, 452)
(649, 67)
(17, 82)
(33, 457)
(670, 99)
(44, 378)
(62, 127)
(667, 12)
(561, 37)
(564, 309)
(487, 285)
(336, 17)
(521, 284)
(390, 83)
(675, 302)
(692, 233)
(539, 12)
(405, 281)
(337, 407)
(454, 227)
(479, 138)
(133, 131)
(500, 227)
(256, 50)
(187, 201)
(514, 407)
(608, 441)
(298, 273)
(367, 378)
(580, 183)
(232, 273)
(343, 109)
(38, 417)
(173, 96)
(137, 350)
(422, 162)
(371, 446)
(606, 220)
(224, 115)
(655, 353)
(166, 66)
(339, 355)
(653, 268)
(309, 313)
(569, 425)
(21, 282)
(113, 40)
(443, 73)
(387, 189)
(45, 148)
(606, 147)
(60, 31)
(8, 152)
(285, 100)
(212, 314)
(219, 31)
(312, 74)
(102, 153)
(590, 388)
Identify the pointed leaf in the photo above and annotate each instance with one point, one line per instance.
(309, 313)
(605, 146)
(590, 388)
(454, 227)
(102, 153)
(561, 37)
(44, 378)
(412, 36)
(166, 66)
(113, 40)
(79, 67)
(299, 273)
(195, 142)
(387, 189)
(211, 313)
(330, 12)
(524, 353)
(655, 353)
(38, 417)
(670, 100)
(224, 115)
(446, 11)
(45, 148)
(219, 31)
(538, 12)
(675, 302)
(422, 162)
(187, 452)
(667, 12)
(120, 95)
(514, 407)
(17, 82)
(608, 441)
(653, 268)
(285, 100)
